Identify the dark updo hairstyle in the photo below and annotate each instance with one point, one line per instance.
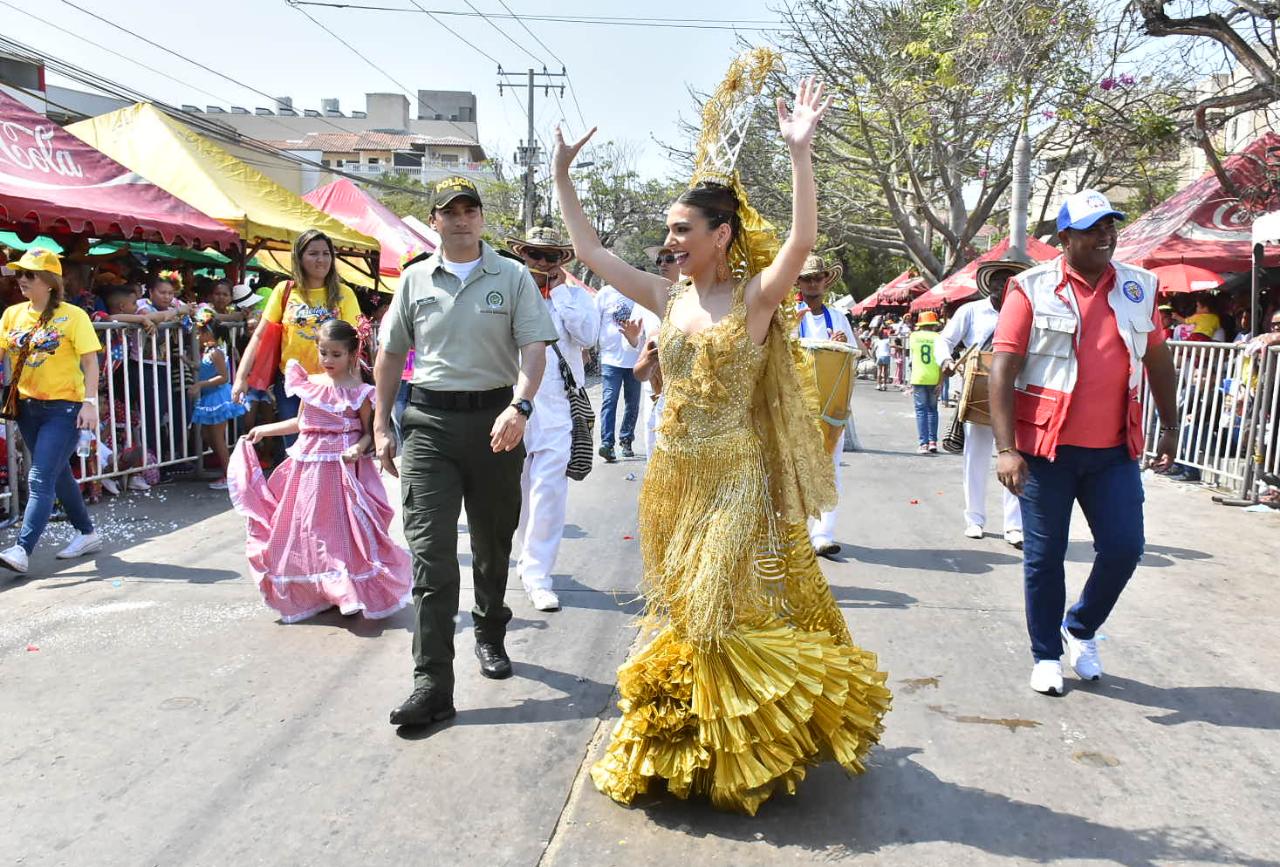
(718, 203)
(342, 332)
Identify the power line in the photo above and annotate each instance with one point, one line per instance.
(520, 21)
(689, 23)
(433, 16)
(415, 98)
(210, 128)
(274, 100)
(505, 34)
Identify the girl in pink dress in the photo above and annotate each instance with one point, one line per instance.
(318, 528)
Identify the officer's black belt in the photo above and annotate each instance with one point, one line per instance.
(460, 400)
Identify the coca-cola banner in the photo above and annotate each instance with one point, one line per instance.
(53, 183)
(1202, 224)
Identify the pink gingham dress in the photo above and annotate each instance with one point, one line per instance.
(318, 528)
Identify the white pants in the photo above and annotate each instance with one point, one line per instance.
(544, 488)
(650, 415)
(822, 530)
(979, 443)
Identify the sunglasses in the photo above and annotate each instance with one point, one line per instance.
(1275, 324)
(668, 259)
(551, 256)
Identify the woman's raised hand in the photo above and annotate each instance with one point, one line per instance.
(800, 123)
(565, 154)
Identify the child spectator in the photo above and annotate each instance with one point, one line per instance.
(1205, 323)
(211, 390)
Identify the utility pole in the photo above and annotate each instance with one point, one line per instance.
(529, 154)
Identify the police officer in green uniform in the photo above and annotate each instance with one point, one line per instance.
(479, 329)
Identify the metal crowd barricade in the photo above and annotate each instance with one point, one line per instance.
(144, 399)
(1228, 400)
(143, 405)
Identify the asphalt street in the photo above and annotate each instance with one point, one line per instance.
(156, 713)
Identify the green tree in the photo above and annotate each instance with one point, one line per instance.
(931, 97)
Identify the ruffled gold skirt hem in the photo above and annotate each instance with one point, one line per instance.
(743, 719)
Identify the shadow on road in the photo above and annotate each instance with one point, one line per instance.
(1226, 706)
(867, 597)
(580, 699)
(968, 561)
(901, 802)
(1157, 556)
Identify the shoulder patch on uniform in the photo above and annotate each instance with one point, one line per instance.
(1132, 290)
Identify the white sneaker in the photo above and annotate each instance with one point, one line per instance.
(973, 531)
(85, 543)
(110, 486)
(220, 485)
(138, 483)
(15, 558)
(544, 600)
(1082, 655)
(1046, 677)
(1014, 538)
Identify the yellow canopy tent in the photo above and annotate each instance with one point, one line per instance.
(177, 159)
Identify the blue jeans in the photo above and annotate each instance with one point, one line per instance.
(619, 379)
(287, 407)
(49, 429)
(1108, 486)
(397, 412)
(926, 400)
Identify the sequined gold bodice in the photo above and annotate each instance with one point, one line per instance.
(708, 378)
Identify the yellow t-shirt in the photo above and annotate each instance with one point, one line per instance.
(1204, 323)
(303, 319)
(52, 370)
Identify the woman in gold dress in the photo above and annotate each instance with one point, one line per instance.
(752, 675)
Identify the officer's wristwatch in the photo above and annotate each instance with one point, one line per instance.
(524, 407)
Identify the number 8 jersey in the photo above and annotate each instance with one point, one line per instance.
(926, 357)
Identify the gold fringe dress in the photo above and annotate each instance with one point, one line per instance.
(752, 675)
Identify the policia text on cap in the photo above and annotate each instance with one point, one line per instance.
(479, 328)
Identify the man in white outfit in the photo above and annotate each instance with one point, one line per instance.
(974, 325)
(544, 487)
(820, 322)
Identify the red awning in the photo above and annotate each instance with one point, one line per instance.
(1201, 224)
(356, 209)
(963, 284)
(53, 183)
(896, 293)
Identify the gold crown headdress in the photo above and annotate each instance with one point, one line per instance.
(726, 116)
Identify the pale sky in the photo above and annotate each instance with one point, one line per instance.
(632, 82)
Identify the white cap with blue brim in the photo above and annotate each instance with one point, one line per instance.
(1081, 210)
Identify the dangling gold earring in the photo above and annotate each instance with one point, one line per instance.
(722, 267)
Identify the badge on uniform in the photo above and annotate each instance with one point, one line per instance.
(1132, 290)
(494, 300)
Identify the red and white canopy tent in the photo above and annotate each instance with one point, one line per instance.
(52, 183)
(1201, 224)
(963, 284)
(898, 292)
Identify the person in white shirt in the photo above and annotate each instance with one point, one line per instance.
(883, 346)
(544, 487)
(647, 368)
(619, 335)
(818, 321)
(974, 325)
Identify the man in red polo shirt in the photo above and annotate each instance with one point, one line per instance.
(1074, 338)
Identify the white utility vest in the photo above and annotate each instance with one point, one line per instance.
(1045, 387)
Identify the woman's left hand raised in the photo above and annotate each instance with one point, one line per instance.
(799, 124)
